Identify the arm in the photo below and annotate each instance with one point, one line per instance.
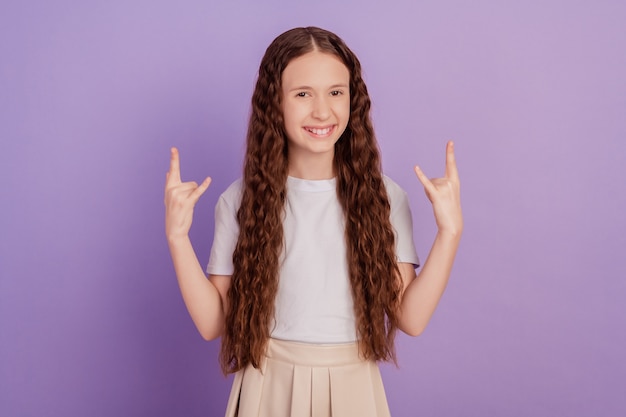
(422, 293)
(201, 296)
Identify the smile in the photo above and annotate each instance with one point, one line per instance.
(324, 131)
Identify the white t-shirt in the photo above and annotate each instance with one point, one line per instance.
(314, 300)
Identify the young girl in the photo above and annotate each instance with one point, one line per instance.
(312, 267)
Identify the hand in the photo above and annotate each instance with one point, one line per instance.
(180, 199)
(445, 195)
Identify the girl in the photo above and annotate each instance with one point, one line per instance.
(312, 268)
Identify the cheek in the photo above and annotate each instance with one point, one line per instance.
(296, 116)
(292, 123)
(344, 111)
(289, 120)
(290, 112)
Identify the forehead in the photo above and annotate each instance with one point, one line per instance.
(315, 69)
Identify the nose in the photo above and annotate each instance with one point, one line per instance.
(321, 108)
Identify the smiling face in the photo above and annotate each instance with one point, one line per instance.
(316, 110)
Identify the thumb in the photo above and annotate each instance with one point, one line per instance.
(197, 193)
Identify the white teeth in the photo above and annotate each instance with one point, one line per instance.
(320, 131)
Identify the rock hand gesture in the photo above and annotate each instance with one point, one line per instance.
(180, 199)
(445, 195)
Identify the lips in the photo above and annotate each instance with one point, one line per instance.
(320, 131)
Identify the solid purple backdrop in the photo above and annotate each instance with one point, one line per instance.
(92, 97)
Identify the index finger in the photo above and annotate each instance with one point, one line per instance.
(174, 172)
(451, 169)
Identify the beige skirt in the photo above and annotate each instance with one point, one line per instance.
(307, 380)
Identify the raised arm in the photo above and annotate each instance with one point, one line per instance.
(201, 295)
(422, 293)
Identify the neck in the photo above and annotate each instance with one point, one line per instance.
(318, 167)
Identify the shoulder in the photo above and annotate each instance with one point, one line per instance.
(394, 191)
(232, 195)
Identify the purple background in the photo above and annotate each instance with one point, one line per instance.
(93, 95)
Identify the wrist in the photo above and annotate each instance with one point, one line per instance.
(450, 234)
(177, 239)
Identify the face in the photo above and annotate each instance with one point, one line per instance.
(316, 106)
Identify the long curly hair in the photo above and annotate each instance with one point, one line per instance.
(374, 275)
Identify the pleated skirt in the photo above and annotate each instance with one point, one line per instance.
(308, 380)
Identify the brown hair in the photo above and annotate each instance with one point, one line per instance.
(374, 275)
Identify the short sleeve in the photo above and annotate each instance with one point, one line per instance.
(402, 222)
(226, 231)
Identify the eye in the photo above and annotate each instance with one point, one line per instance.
(302, 94)
(336, 93)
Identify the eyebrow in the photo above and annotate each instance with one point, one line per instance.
(306, 87)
